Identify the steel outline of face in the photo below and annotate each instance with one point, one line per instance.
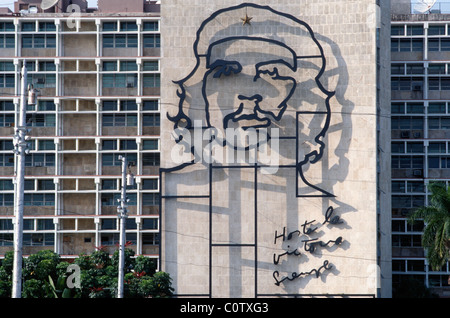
(224, 68)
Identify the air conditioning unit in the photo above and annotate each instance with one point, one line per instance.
(130, 85)
(40, 80)
(417, 135)
(38, 164)
(404, 134)
(418, 173)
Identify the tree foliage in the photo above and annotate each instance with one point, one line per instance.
(436, 216)
(45, 275)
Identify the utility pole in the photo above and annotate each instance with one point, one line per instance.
(21, 149)
(122, 211)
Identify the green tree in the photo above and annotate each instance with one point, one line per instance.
(436, 216)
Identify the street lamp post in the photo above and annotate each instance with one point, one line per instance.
(122, 211)
(21, 149)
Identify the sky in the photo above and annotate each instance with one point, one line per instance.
(10, 3)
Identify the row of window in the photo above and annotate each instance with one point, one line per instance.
(105, 224)
(45, 66)
(417, 123)
(400, 147)
(121, 105)
(49, 185)
(418, 162)
(125, 144)
(107, 199)
(48, 159)
(107, 26)
(48, 41)
(108, 120)
(419, 108)
(419, 68)
(48, 239)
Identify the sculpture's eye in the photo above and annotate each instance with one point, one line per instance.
(225, 68)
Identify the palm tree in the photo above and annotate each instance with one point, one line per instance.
(436, 216)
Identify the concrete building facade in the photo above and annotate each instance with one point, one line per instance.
(303, 90)
(98, 76)
(420, 135)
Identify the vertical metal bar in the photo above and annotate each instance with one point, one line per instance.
(20, 134)
(122, 213)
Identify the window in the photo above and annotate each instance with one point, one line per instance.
(40, 160)
(120, 41)
(151, 66)
(406, 45)
(7, 41)
(438, 162)
(414, 30)
(44, 239)
(6, 199)
(407, 83)
(128, 144)
(439, 123)
(109, 184)
(149, 224)
(407, 162)
(438, 83)
(150, 144)
(152, 80)
(46, 145)
(41, 120)
(108, 224)
(38, 199)
(45, 224)
(110, 199)
(109, 145)
(6, 185)
(6, 239)
(436, 69)
(436, 108)
(152, 40)
(414, 147)
(440, 44)
(119, 120)
(46, 185)
(407, 122)
(7, 27)
(37, 41)
(109, 66)
(128, 105)
(7, 67)
(119, 80)
(150, 199)
(150, 105)
(6, 160)
(42, 80)
(6, 106)
(398, 147)
(151, 159)
(128, 26)
(151, 120)
(113, 159)
(437, 147)
(28, 26)
(150, 184)
(415, 69)
(436, 30)
(6, 225)
(109, 26)
(7, 80)
(6, 120)
(151, 26)
(47, 26)
(128, 66)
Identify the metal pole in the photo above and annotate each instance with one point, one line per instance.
(20, 150)
(122, 214)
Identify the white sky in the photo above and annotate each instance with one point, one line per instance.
(10, 3)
